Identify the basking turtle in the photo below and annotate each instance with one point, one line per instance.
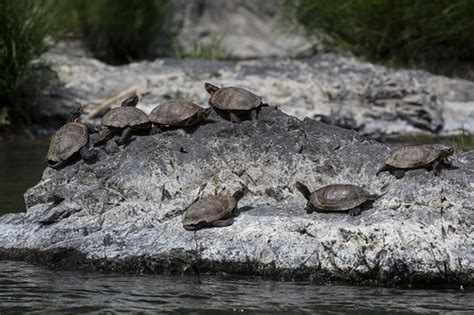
(177, 114)
(234, 103)
(429, 156)
(336, 198)
(125, 119)
(70, 139)
(212, 211)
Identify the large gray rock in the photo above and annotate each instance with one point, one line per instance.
(245, 29)
(123, 213)
(376, 101)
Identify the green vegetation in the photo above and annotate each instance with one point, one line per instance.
(24, 29)
(393, 31)
(463, 141)
(213, 51)
(120, 31)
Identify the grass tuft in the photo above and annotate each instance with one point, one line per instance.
(463, 141)
(213, 51)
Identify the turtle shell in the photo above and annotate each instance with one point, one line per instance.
(338, 197)
(174, 112)
(209, 209)
(234, 98)
(68, 140)
(413, 156)
(125, 116)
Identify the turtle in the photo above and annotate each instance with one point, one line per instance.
(177, 114)
(336, 198)
(429, 156)
(70, 139)
(211, 211)
(233, 103)
(125, 119)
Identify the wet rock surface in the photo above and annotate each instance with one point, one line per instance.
(123, 213)
(343, 91)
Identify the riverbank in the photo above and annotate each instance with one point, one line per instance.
(123, 213)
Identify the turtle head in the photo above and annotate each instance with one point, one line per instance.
(131, 101)
(239, 194)
(445, 152)
(211, 88)
(204, 113)
(75, 115)
(304, 190)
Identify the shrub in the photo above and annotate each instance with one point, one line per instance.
(24, 28)
(393, 30)
(119, 31)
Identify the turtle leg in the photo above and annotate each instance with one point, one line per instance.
(446, 161)
(233, 117)
(309, 208)
(126, 136)
(222, 223)
(57, 165)
(435, 167)
(87, 154)
(355, 212)
(253, 114)
(398, 173)
(156, 129)
(383, 168)
(104, 134)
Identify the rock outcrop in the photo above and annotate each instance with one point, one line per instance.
(247, 29)
(376, 101)
(123, 213)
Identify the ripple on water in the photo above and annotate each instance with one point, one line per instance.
(29, 289)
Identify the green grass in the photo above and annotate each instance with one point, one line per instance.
(463, 141)
(25, 26)
(392, 31)
(212, 51)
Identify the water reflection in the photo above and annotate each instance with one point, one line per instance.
(25, 288)
(21, 164)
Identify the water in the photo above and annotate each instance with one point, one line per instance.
(29, 289)
(21, 164)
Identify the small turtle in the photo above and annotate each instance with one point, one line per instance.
(429, 156)
(178, 114)
(70, 139)
(234, 103)
(212, 211)
(126, 119)
(336, 198)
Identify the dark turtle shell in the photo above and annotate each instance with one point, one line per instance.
(67, 141)
(124, 116)
(415, 156)
(207, 210)
(174, 113)
(338, 197)
(234, 98)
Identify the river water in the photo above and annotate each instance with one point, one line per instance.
(25, 288)
(29, 289)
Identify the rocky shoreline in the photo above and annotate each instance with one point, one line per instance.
(123, 213)
(378, 102)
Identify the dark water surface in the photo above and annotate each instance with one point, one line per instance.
(21, 164)
(29, 289)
